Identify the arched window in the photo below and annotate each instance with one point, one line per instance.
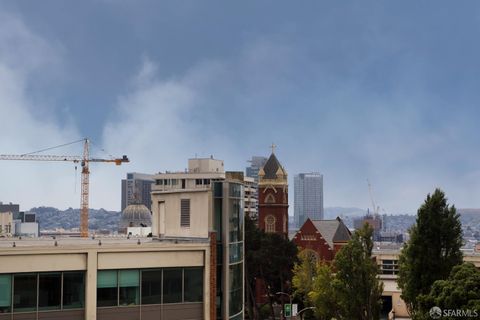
(270, 224)
(269, 198)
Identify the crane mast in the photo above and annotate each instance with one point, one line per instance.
(84, 206)
(84, 161)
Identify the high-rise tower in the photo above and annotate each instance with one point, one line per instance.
(308, 196)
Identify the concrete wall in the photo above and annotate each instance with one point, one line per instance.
(83, 255)
(166, 222)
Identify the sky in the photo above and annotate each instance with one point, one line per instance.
(385, 91)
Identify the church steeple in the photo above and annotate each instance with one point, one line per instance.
(273, 196)
(273, 170)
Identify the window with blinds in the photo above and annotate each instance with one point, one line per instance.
(185, 213)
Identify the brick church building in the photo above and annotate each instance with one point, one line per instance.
(273, 197)
(324, 237)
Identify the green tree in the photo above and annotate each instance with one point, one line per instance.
(304, 272)
(270, 257)
(324, 294)
(350, 288)
(432, 251)
(358, 287)
(461, 291)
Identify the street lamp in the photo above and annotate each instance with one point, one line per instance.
(290, 298)
(304, 309)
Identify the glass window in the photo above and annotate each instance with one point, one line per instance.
(49, 290)
(152, 286)
(172, 285)
(235, 252)
(236, 220)
(235, 190)
(129, 284)
(218, 189)
(73, 290)
(236, 288)
(5, 293)
(217, 203)
(193, 285)
(107, 291)
(25, 292)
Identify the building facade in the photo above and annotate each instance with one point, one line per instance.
(308, 197)
(273, 197)
(136, 189)
(255, 164)
(324, 237)
(201, 201)
(104, 278)
(251, 198)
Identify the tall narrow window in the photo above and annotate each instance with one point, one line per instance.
(25, 292)
(49, 290)
(73, 290)
(107, 290)
(152, 286)
(129, 283)
(185, 213)
(172, 285)
(5, 293)
(269, 198)
(193, 285)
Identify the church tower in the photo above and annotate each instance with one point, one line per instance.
(273, 197)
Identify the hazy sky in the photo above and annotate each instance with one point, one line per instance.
(386, 91)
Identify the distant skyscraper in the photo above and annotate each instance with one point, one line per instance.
(256, 164)
(136, 190)
(308, 197)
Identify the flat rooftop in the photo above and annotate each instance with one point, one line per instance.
(70, 242)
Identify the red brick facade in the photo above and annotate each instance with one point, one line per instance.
(273, 202)
(310, 237)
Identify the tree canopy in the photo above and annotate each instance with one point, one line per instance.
(460, 291)
(432, 251)
(270, 257)
(349, 289)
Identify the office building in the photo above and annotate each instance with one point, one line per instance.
(308, 197)
(255, 164)
(7, 227)
(105, 279)
(251, 198)
(206, 201)
(136, 189)
(14, 222)
(9, 207)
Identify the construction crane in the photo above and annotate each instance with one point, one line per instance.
(375, 208)
(84, 162)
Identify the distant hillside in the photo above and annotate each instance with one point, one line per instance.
(333, 212)
(52, 218)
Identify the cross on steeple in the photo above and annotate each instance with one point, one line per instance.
(273, 146)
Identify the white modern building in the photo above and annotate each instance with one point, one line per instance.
(200, 201)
